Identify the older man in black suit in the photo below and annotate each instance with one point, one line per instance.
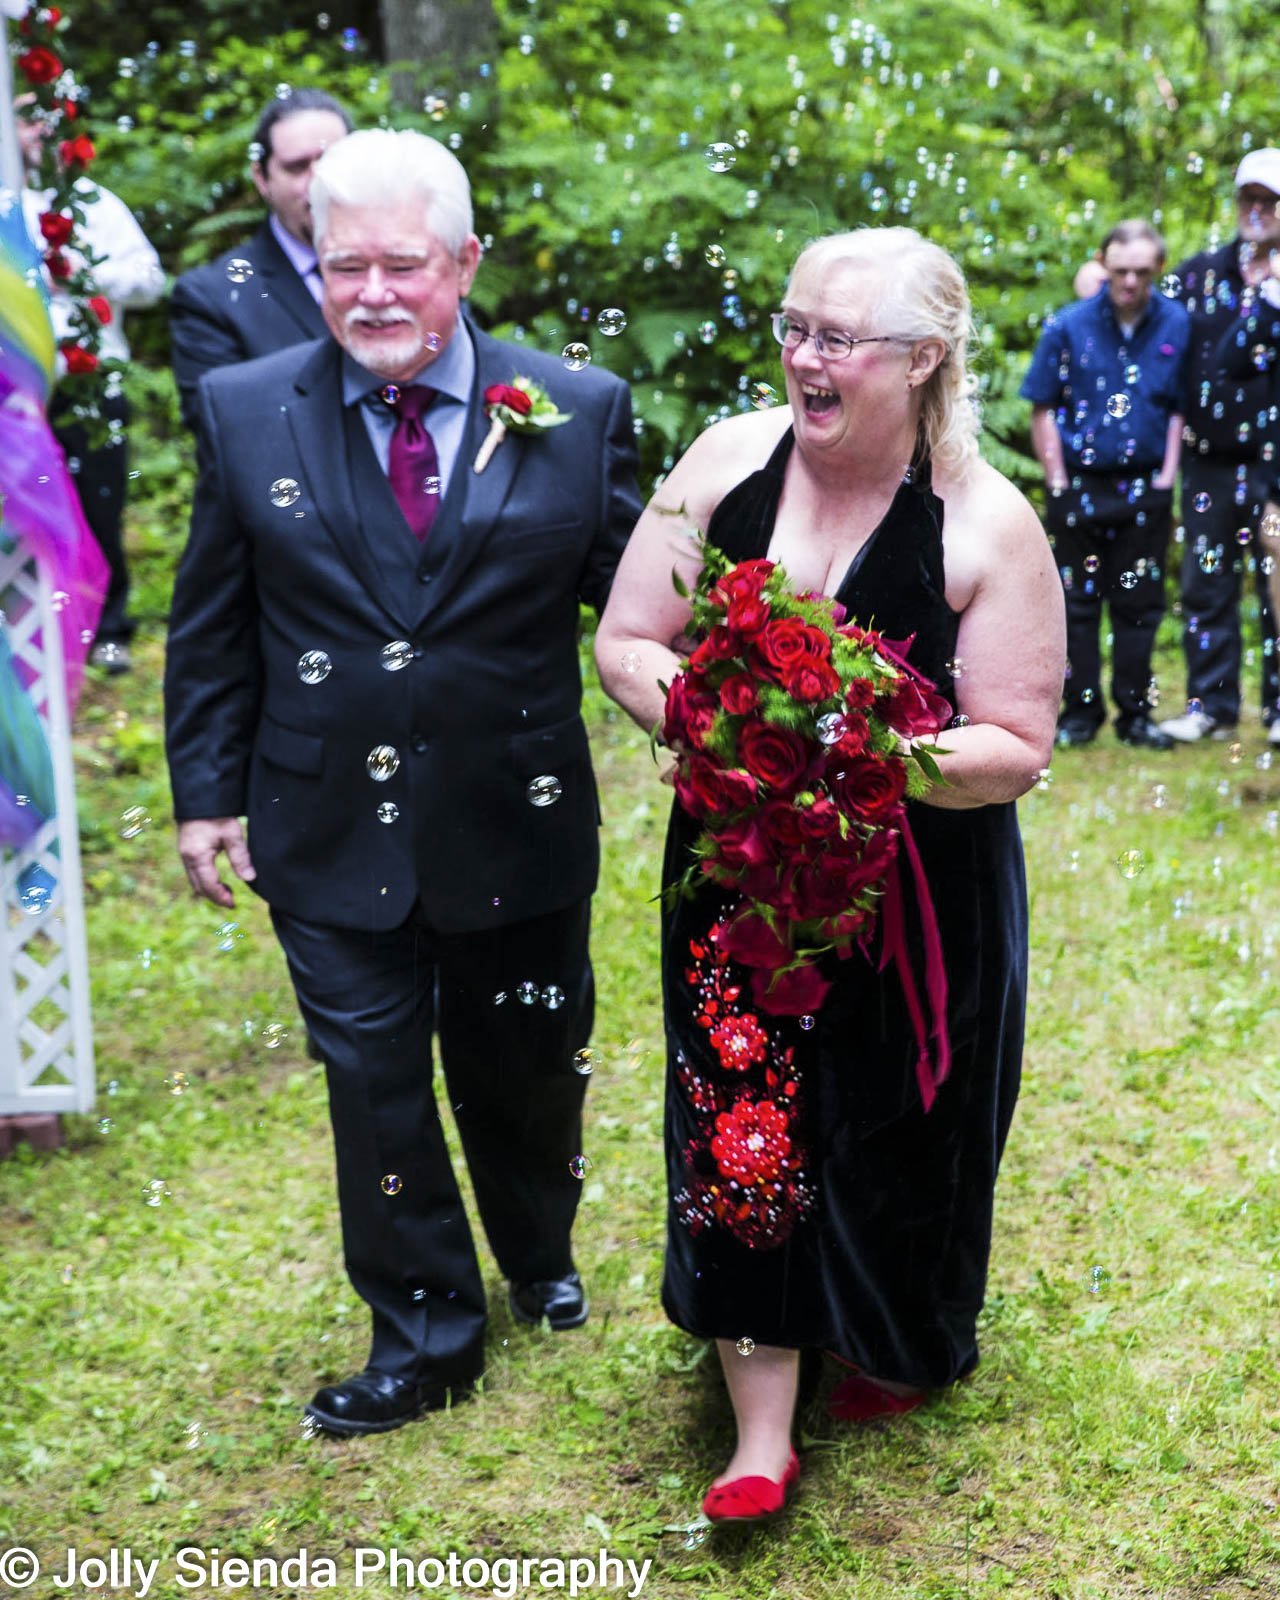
(263, 295)
(373, 654)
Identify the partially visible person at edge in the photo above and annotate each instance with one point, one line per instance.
(129, 277)
(373, 654)
(1107, 385)
(848, 487)
(1229, 464)
(265, 293)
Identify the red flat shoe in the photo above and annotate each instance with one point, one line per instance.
(750, 1499)
(858, 1398)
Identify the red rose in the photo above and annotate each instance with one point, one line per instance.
(811, 679)
(58, 265)
(860, 694)
(39, 65)
(748, 614)
(819, 821)
(797, 993)
(773, 755)
(78, 359)
(56, 227)
(914, 710)
(704, 789)
(742, 844)
(853, 741)
(750, 940)
(781, 821)
(745, 581)
(867, 789)
(719, 645)
(738, 694)
(68, 109)
(785, 642)
(77, 152)
(503, 394)
(689, 711)
(100, 307)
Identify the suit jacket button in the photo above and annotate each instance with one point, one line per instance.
(419, 744)
(424, 577)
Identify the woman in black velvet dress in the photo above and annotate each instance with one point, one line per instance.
(874, 1240)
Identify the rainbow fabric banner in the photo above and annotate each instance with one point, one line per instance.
(40, 511)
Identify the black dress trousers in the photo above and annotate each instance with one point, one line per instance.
(512, 1006)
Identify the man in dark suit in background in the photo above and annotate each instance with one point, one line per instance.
(373, 653)
(265, 294)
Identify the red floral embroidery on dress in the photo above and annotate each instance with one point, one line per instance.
(745, 1167)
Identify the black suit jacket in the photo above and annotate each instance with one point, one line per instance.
(488, 611)
(216, 322)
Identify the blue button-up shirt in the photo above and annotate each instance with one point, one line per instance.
(1113, 393)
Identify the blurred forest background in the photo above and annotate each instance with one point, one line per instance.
(1014, 132)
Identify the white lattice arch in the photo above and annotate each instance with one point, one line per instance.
(46, 1042)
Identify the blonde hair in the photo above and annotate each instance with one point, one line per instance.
(920, 292)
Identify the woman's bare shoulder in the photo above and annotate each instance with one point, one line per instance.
(984, 506)
(720, 457)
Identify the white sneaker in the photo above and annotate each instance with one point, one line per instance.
(1194, 725)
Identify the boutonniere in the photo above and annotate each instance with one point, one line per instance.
(521, 406)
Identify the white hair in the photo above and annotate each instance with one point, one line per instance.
(379, 166)
(920, 292)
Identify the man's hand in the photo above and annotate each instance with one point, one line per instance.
(200, 842)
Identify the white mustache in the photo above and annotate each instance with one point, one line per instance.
(357, 318)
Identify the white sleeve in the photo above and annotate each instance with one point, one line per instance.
(130, 274)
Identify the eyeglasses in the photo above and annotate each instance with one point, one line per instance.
(830, 345)
(1257, 199)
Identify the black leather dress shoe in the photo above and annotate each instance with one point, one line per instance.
(375, 1402)
(1144, 733)
(1074, 732)
(562, 1302)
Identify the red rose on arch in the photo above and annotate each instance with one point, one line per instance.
(77, 152)
(100, 307)
(773, 755)
(78, 359)
(55, 227)
(58, 265)
(39, 65)
(866, 789)
(504, 394)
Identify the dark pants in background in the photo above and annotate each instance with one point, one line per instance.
(101, 476)
(511, 1007)
(1221, 508)
(1110, 536)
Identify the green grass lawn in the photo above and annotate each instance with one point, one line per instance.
(1121, 1437)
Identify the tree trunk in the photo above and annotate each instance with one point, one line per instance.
(436, 40)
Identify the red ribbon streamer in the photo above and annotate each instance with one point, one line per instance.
(933, 1045)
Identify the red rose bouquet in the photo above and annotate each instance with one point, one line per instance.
(795, 735)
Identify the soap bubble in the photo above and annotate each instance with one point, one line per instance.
(580, 1166)
(397, 655)
(155, 1192)
(763, 396)
(1129, 863)
(1119, 405)
(715, 256)
(527, 993)
(1202, 502)
(630, 661)
(391, 1184)
(1128, 580)
(831, 727)
(1097, 1279)
(611, 321)
(584, 1063)
(807, 1024)
(314, 666)
(228, 936)
(177, 1083)
(745, 1346)
(544, 790)
(284, 491)
(575, 356)
(382, 762)
(274, 1035)
(239, 270)
(1171, 286)
(134, 821)
(719, 157)
(553, 997)
(388, 811)
(391, 394)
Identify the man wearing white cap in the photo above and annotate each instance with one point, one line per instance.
(1228, 465)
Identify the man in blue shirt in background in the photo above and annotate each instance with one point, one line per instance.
(1107, 388)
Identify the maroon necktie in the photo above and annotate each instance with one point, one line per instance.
(414, 469)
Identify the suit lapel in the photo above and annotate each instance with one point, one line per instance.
(286, 288)
(315, 415)
(482, 495)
